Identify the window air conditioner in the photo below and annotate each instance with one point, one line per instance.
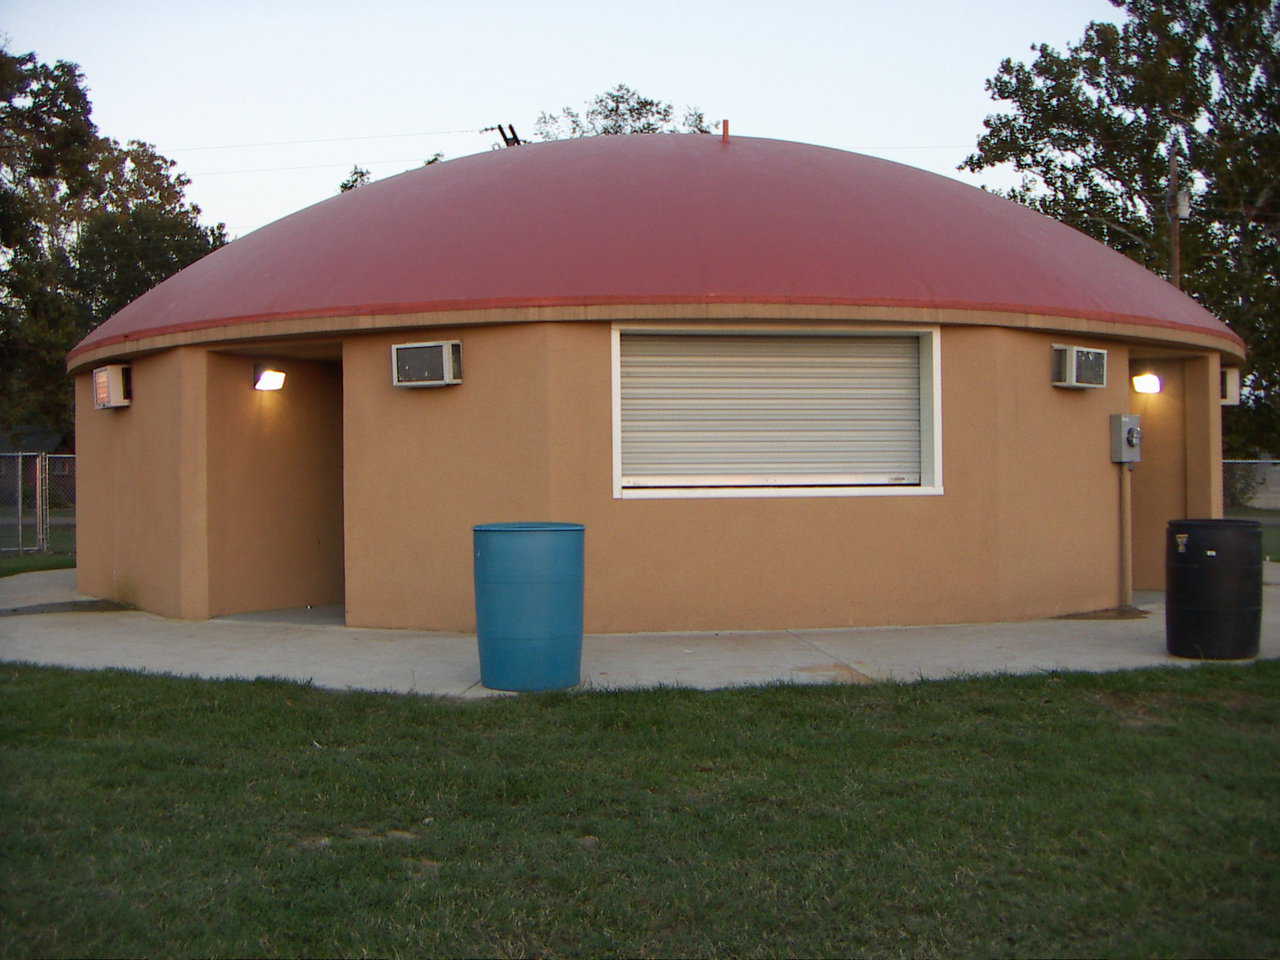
(112, 386)
(436, 364)
(1079, 367)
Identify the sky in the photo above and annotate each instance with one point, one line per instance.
(268, 105)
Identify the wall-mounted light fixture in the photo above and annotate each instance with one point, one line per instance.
(267, 377)
(1146, 383)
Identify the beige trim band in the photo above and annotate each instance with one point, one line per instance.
(295, 328)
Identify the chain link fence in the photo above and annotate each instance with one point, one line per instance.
(1251, 491)
(38, 503)
(38, 499)
(1251, 485)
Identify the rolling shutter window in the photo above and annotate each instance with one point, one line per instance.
(740, 411)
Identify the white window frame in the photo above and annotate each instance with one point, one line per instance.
(930, 338)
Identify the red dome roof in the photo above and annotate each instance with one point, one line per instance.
(658, 219)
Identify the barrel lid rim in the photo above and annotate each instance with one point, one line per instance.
(520, 526)
(1223, 522)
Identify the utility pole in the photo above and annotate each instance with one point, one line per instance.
(1178, 207)
(511, 139)
(1175, 232)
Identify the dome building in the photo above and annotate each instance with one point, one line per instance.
(782, 385)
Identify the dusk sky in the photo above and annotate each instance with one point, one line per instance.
(266, 106)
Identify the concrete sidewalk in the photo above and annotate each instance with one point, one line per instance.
(41, 622)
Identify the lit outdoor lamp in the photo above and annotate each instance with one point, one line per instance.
(1146, 383)
(267, 378)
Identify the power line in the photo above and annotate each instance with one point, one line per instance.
(441, 133)
(309, 166)
(318, 166)
(288, 143)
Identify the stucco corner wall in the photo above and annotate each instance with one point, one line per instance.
(140, 506)
(206, 497)
(274, 463)
(1054, 493)
(1180, 475)
(424, 465)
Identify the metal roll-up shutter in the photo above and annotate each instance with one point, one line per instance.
(711, 410)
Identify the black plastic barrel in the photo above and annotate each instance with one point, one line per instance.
(1213, 599)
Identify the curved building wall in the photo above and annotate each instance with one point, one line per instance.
(205, 497)
(135, 519)
(1027, 524)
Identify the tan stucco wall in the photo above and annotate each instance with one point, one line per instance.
(1202, 425)
(139, 489)
(1180, 475)
(425, 464)
(1019, 458)
(275, 486)
(206, 497)
(1027, 526)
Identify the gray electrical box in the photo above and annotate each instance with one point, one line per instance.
(1126, 438)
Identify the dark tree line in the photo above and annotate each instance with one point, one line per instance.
(1184, 94)
(87, 224)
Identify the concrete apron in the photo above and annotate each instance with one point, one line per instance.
(40, 622)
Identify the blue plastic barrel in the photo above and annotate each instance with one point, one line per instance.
(528, 580)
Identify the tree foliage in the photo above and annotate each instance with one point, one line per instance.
(120, 255)
(86, 226)
(45, 135)
(617, 111)
(358, 177)
(1092, 130)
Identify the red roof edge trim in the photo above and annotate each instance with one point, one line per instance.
(393, 309)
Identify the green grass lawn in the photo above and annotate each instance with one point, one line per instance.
(62, 545)
(11, 563)
(1132, 813)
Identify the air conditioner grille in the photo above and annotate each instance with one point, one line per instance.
(436, 364)
(1079, 367)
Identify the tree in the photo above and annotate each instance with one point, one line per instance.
(121, 254)
(617, 111)
(86, 224)
(359, 176)
(46, 135)
(1182, 94)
